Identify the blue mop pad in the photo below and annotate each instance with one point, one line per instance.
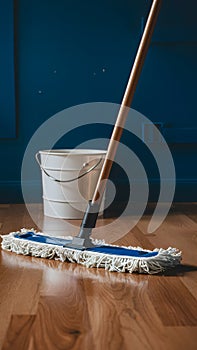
(110, 257)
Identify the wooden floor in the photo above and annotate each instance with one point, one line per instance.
(46, 305)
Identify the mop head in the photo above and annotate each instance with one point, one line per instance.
(109, 257)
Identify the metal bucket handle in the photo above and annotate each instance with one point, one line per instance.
(70, 180)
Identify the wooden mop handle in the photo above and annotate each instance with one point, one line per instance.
(126, 101)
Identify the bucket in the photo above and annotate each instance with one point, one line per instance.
(69, 179)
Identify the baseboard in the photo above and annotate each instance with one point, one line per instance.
(10, 191)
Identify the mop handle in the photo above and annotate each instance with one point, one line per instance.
(126, 101)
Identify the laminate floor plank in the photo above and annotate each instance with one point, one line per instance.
(28, 298)
(173, 302)
(190, 281)
(13, 220)
(9, 281)
(62, 323)
(180, 338)
(19, 332)
(177, 231)
(189, 209)
(129, 319)
(135, 238)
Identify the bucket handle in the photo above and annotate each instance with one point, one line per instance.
(70, 180)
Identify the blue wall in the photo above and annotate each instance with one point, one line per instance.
(62, 48)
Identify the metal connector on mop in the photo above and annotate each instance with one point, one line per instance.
(83, 241)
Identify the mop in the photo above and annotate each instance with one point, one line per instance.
(83, 249)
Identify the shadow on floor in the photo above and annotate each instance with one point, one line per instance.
(180, 270)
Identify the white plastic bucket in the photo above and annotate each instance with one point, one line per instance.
(69, 178)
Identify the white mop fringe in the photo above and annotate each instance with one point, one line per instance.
(165, 259)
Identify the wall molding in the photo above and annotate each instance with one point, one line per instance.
(7, 71)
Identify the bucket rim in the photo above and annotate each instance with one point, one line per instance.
(73, 152)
